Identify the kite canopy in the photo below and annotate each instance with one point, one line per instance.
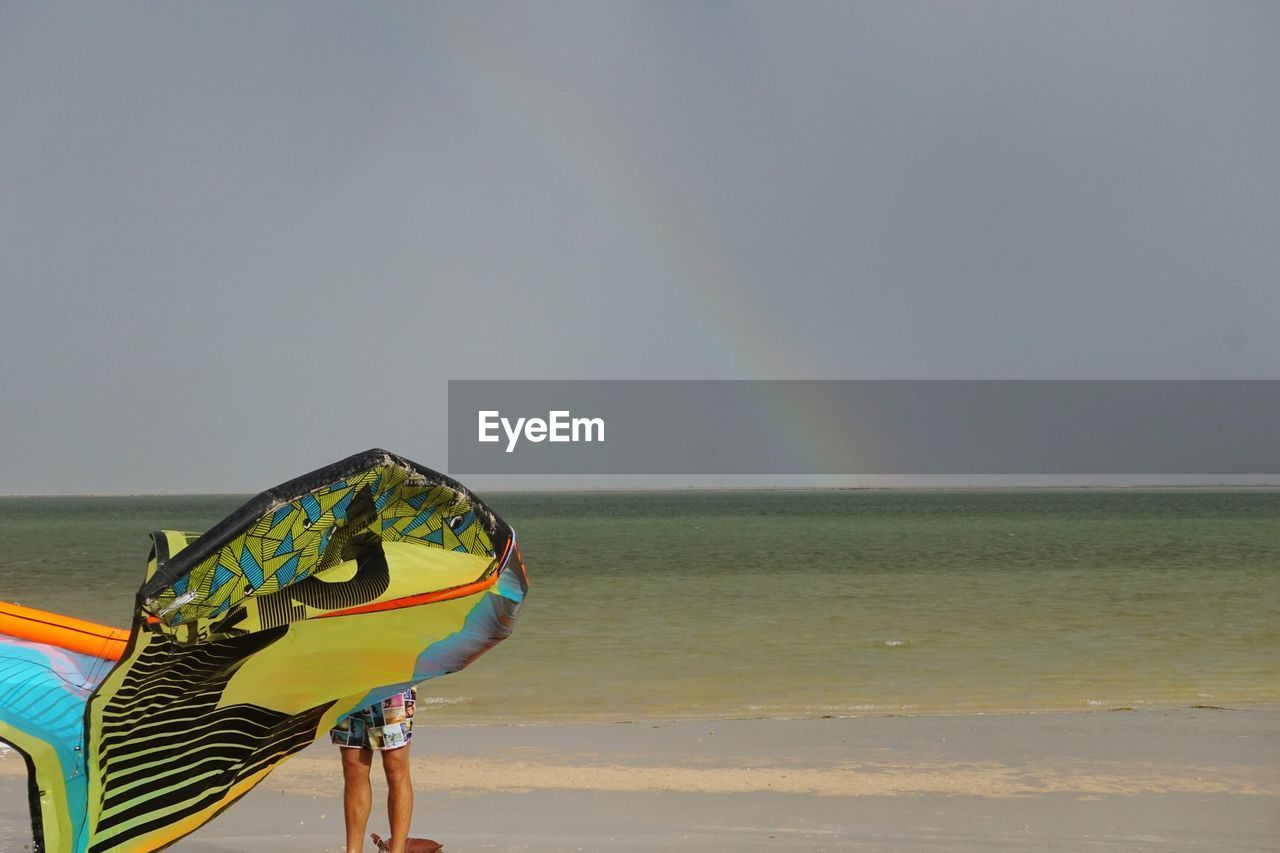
(316, 598)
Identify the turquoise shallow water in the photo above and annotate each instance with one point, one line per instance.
(802, 603)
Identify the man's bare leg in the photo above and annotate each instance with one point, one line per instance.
(395, 762)
(357, 794)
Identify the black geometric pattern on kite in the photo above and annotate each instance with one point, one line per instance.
(208, 544)
(371, 580)
(167, 751)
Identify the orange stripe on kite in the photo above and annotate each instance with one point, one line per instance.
(423, 598)
(65, 632)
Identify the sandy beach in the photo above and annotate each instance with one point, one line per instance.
(1182, 779)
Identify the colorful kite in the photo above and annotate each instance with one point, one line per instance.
(316, 598)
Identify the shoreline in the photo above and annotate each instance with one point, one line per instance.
(1174, 779)
(428, 717)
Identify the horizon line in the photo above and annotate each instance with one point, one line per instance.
(740, 488)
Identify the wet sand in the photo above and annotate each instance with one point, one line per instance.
(1181, 779)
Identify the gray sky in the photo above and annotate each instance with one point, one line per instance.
(242, 240)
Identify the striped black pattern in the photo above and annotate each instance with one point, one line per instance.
(372, 578)
(166, 751)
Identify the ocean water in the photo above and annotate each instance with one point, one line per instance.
(803, 603)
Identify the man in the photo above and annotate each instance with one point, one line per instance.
(386, 727)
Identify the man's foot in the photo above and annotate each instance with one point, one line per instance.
(413, 845)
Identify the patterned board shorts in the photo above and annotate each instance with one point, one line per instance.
(386, 725)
